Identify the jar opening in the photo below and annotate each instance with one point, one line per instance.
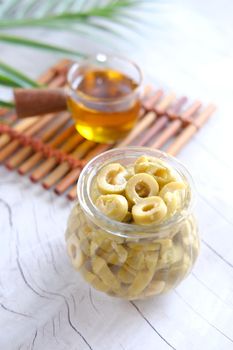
(127, 155)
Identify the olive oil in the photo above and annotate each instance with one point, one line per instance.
(104, 104)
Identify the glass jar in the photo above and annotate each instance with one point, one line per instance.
(128, 260)
(104, 97)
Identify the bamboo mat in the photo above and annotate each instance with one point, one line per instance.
(49, 149)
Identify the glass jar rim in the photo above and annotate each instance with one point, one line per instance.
(102, 57)
(125, 229)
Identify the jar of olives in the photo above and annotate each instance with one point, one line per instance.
(132, 233)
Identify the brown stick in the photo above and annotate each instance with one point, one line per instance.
(19, 157)
(45, 78)
(36, 126)
(174, 111)
(43, 169)
(72, 195)
(161, 107)
(190, 130)
(31, 102)
(174, 126)
(73, 175)
(147, 120)
(160, 123)
(171, 130)
(26, 151)
(64, 136)
(67, 181)
(140, 127)
(30, 163)
(55, 175)
(20, 127)
(55, 126)
(62, 67)
(9, 149)
(204, 116)
(96, 151)
(13, 145)
(8, 117)
(64, 167)
(38, 156)
(3, 111)
(50, 163)
(60, 80)
(154, 130)
(150, 101)
(185, 116)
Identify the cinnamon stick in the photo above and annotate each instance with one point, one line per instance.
(23, 124)
(190, 130)
(31, 102)
(33, 129)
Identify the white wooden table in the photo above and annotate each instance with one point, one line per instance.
(44, 304)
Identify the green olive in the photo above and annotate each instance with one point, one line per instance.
(115, 206)
(111, 179)
(149, 210)
(74, 251)
(140, 186)
(173, 195)
(156, 167)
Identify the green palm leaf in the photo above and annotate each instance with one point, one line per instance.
(18, 77)
(15, 40)
(9, 82)
(6, 104)
(86, 17)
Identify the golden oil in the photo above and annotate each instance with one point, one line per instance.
(104, 104)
